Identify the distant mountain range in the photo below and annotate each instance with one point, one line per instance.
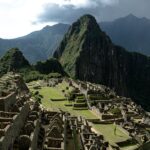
(87, 53)
(37, 45)
(130, 32)
(14, 60)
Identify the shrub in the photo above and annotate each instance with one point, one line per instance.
(36, 93)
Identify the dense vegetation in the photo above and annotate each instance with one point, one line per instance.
(87, 53)
(74, 41)
(14, 60)
(40, 45)
(49, 66)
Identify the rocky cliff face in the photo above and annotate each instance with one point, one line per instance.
(87, 53)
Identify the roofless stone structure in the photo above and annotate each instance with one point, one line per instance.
(25, 125)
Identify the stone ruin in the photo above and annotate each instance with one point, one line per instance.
(25, 125)
(88, 140)
(110, 108)
(53, 82)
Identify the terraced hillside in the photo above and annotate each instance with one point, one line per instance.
(70, 96)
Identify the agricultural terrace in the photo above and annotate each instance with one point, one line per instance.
(58, 93)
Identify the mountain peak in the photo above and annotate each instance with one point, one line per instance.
(13, 51)
(87, 53)
(86, 24)
(87, 20)
(13, 60)
(87, 17)
(80, 40)
(131, 16)
(128, 18)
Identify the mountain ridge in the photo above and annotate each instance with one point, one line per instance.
(130, 32)
(88, 54)
(15, 61)
(39, 45)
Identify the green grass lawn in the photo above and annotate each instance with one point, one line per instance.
(56, 92)
(108, 131)
(51, 93)
(132, 147)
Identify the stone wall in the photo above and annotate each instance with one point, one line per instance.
(14, 129)
(145, 146)
(110, 116)
(6, 102)
(34, 136)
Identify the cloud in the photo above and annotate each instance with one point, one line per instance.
(19, 17)
(70, 11)
(108, 2)
(103, 10)
(65, 13)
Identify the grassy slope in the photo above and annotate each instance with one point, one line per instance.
(49, 93)
(108, 131)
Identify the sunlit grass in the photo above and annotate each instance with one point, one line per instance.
(108, 131)
(131, 147)
(56, 93)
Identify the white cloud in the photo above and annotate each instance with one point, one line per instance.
(109, 2)
(73, 9)
(17, 16)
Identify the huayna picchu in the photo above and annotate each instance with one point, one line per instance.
(87, 53)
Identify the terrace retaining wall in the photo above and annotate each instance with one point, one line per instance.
(14, 129)
(7, 101)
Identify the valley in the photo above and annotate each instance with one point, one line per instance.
(40, 45)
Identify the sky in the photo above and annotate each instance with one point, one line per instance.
(20, 17)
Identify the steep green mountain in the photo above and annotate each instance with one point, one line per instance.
(49, 66)
(13, 60)
(131, 32)
(38, 45)
(88, 54)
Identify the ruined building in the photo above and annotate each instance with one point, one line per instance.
(25, 125)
